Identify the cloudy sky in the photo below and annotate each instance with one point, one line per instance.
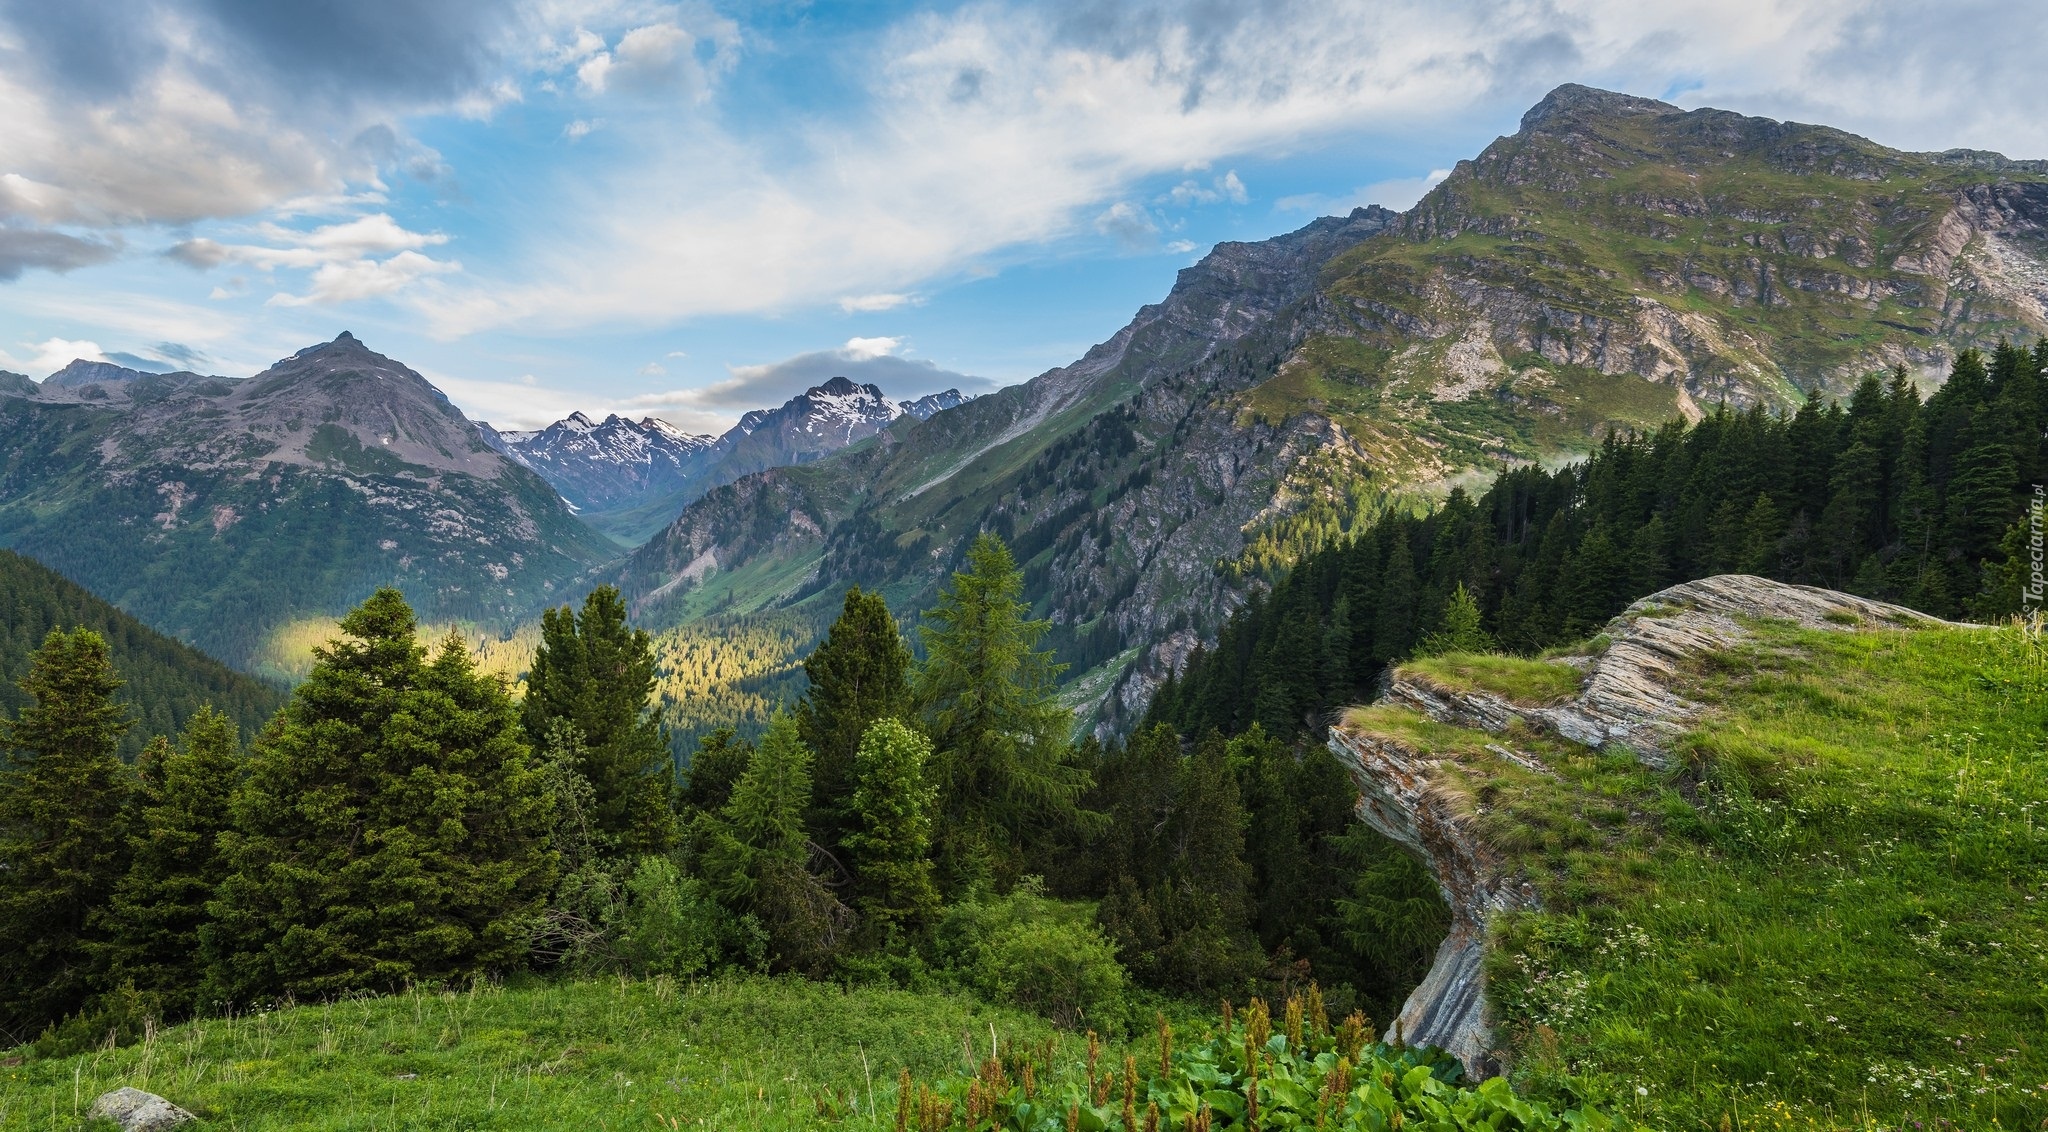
(693, 209)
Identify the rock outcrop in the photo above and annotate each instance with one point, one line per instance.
(1628, 699)
(137, 1111)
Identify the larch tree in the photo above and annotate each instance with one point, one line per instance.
(1000, 738)
(597, 673)
(63, 833)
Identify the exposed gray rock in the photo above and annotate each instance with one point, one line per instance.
(137, 1111)
(1627, 698)
(1415, 796)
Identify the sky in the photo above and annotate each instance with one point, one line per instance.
(694, 209)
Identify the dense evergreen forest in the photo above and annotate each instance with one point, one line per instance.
(1918, 502)
(166, 681)
(403, 820)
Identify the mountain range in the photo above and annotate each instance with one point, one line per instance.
(1614, 264)
(630, 478)
(217, 510)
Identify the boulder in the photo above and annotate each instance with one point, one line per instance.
(137, 1111)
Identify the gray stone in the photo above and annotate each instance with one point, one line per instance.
(137, 1111)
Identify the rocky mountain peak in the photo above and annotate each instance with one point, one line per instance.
(1572, 104)
(82, 372)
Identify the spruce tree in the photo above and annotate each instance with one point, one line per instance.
(160, 904)
(721, 759)
(999, 735)
(63, 837)
(755, 853)
(1462, 631)
(392, 828)
(859, 674)
(597, 673)
(892, 832)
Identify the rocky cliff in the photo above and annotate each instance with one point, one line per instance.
(1417, 786)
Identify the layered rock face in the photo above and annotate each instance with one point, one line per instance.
(1628, 699)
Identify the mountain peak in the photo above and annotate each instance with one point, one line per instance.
(83, 372)
(838, 387)
(1572, 103)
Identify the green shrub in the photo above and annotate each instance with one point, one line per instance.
(1045, 955)
(670, 925)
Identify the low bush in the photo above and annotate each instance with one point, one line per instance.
(1042, 954)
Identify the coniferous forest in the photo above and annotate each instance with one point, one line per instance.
(1889, 496)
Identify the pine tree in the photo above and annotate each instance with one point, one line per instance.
(999, 736)
(755, 853)
(160, 904)
(891, 838)
(597, 673)
(63, 837)
(859, 674)
(1461, 631)
(392, 828)
(721, 759)
(1393, 630)
(1204, 899)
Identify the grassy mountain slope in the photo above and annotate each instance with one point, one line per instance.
(755, 1053)
(1831, 911)
(166, 681)
(219, 510)
(1616, 263)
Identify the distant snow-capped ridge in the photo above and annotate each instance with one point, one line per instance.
(615, 463)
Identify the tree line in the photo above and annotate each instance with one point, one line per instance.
(404, 820)
(1920, 502)
(167, 681)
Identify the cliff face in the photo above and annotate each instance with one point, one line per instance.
(1419, 792)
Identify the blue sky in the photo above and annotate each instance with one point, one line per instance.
(693, 209)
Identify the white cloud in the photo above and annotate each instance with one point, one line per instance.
(342, 258)
(1182, 247)
(581, 128)
(54, 354)
(865, 349)
(1130, 224)
(350, 280)
(653, 369)
(885, 301)
(991, 126)
(1227, 187)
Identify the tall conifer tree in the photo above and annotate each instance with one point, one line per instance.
(63, 837)
(159, 906)
(892, 831)
(859, 674)
(392, 828)
(756, 852)
(597, 673)
(1000, 737)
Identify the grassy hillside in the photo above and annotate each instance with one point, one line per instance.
(752, 1053)
(761, 1053)
(167, 680)
(1833, 914)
